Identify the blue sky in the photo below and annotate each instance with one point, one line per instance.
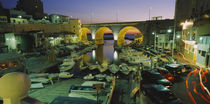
(106, 10)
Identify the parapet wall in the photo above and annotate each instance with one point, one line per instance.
(45, 28)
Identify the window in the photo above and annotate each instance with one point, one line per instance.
(203, 53)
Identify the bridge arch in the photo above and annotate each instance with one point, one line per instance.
(122, 33)
(99, 35)
(84, 32)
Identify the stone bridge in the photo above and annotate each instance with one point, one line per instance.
(120, 29)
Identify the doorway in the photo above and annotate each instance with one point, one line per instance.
(207, 61)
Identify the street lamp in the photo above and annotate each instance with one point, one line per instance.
(154, 33)
(169, 30)
(178, 36)
(201, 38)
(19, 16)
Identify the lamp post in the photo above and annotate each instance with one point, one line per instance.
(174, 34)
(154, 33)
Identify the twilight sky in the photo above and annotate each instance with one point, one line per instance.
(98, 11)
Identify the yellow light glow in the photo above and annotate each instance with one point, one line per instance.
(186, 24)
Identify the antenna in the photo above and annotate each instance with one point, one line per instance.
(149, 12)
(117, 15)
(91, 17)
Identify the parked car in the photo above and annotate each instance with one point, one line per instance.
(188, 68)
(165, 73)
(154, 77)
(175, 69)
(159, 94)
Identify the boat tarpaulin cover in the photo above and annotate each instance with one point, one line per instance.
(72, 100)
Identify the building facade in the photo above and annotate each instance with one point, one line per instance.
(32, 7)
(194, 42)
(190, 9)
(203, 42)
(59, 19)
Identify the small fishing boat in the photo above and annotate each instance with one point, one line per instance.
(65, 75)
(114, 68)
(89, 77)
(124, 68)
(67, 65)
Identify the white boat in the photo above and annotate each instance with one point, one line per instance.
(38, 75)
(114, 68)
(124, 69)
(67, 65)
(89, 77)
(100, 77)
(40, 80)
(65, 75)
(36, 85)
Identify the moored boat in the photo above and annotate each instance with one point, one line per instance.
(124, 69)
(114, 68)
(67, 65)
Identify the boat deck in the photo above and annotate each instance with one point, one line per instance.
(50, 92)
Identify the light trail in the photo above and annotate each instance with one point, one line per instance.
(187, 86)
(204, 88)
(204, 96)
(202, 75)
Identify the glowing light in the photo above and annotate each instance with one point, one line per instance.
(93, 35)
(19, 16)
(169, 30)
(94, 54)
(186, 24)
(196, 46)
(153, 33)
(13, 39)
(201, 38)
(115, 37)
(178, 36)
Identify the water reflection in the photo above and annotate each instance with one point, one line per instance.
(103, 53)
(115, 56)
